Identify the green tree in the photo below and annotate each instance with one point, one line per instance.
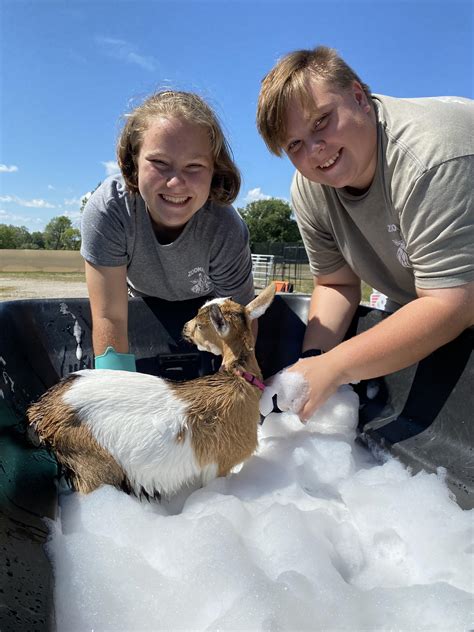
(270, 220)
(14, 236)
(37, 240)
(72, 239)
(59, 234)
(7, 236)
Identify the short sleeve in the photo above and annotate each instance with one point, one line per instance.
(104, 230)
(437, 223)
(310, 208)
(230, 266)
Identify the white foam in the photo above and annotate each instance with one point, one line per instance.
(77, 331)
(291, 390)
(312, 533)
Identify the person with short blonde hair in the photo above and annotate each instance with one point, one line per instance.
(288, 80)
(164, 226)
(382, 193)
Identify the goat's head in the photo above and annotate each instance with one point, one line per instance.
(222, 322)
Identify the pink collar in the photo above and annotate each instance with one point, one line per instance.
(250, 377)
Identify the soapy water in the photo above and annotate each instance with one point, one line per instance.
(77, 329)
(5, 378)
(312, 533)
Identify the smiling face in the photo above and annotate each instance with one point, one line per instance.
(175, 168)
(334, 140)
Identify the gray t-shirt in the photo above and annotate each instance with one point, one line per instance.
(415, 224)
(210, 257)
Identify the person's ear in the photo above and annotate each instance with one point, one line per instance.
(360, 96)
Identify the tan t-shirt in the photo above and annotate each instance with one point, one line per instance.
(415, 224)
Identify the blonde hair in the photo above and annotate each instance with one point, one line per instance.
(288, 79)
(225, 184)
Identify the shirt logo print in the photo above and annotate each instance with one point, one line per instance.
(200, 282)
(402, 254)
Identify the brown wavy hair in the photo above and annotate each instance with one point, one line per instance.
(288, 79)
(188, 106)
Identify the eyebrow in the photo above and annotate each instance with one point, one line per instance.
(158, 154)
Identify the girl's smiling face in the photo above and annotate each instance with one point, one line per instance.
(334, 141)
(175, 168)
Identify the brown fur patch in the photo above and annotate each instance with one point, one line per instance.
(87, 465)
(223, 408)
(223, 417)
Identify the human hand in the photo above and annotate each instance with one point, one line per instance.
(322, 380)
(338, 414)
(288, 391)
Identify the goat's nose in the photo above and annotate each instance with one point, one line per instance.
(188, 329)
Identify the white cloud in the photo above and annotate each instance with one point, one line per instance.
(73, 201)
(256, 194)
(8, 169)
(74, 216)
(125, 51)
(111, 167)
(32, 223)
(145, 62)
(35, 203)
(77, 202)
(51, 188)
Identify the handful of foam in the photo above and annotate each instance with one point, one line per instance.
(288, 391)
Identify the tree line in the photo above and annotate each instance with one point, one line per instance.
(267, 220)
(59, 234)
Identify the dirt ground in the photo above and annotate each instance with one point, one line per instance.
(12, 288)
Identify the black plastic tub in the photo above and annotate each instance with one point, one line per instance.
(423, 414)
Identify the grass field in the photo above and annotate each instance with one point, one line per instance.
(41, 261)
(37, 285)
(53, 273)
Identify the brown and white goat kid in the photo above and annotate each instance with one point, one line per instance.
(151, 436)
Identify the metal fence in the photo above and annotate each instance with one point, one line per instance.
(281, 261)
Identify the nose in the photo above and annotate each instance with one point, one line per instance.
(176, 178)
(316, 145)
(188, 330)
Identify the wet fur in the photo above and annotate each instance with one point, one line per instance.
(207, 425)
(215, 403)
(84, 461)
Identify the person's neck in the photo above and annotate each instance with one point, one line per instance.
(165, 234)
(365, 180)
(356, 192)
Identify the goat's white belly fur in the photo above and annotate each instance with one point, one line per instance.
(137, 418)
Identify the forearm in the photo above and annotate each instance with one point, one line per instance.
(108, 297)
(107, 332)
(331, 310)
(404, 338)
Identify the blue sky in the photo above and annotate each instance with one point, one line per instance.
(69, 69)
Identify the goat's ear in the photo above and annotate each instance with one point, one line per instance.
(262, 302)
(218, 321)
